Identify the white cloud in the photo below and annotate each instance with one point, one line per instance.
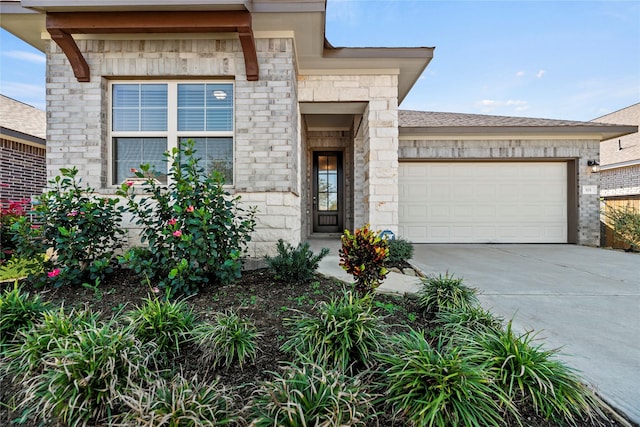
(520, 74)
(22, 55)
(492, 105)
(540, 73)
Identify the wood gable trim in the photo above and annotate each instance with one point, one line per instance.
(61, 26)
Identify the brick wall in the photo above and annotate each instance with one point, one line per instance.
(623, 181)
(22, 171)
(588, 215)
(266, 128)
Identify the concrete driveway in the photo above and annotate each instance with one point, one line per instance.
(585, 300)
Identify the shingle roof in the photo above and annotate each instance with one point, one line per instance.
(23, 118)
(409, 118)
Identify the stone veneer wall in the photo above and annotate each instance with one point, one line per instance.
(376, 144)
(624, 181)
(588, 215)
(266, 127)
(22, 171)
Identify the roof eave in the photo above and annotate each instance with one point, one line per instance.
(597, 132)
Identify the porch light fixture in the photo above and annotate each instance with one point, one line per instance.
(594, 165)
(219, 95)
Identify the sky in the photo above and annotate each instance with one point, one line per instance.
(570, 60)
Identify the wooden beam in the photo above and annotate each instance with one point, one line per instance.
(61, 25)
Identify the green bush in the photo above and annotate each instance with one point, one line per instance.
(437, 387)
(8, 216)
(168, 324)
(24, 356)
(399, 250)
(177, 403)
(230, 339)
(311, 395)
(295, 265)
(440, 293)
(84, 375)
(196, 231)
(345, 331)
(18, 310)
(530, 374)
(362, 255)
(626, 224)
(468, 319)
(83, 230)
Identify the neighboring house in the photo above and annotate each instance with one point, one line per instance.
(23, 170)
(620, 167)
(309, 133)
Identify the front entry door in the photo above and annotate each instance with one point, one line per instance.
(328, 205)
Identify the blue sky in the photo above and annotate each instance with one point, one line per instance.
(574, 60)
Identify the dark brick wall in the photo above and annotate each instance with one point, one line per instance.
(23, 171)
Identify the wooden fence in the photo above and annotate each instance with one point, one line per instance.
(608, 237)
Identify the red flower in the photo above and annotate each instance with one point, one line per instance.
(129, 183)
(172, 221)
(177, 233)
(190, 209)
(54, 273)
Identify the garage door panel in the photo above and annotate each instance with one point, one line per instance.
(468, 202)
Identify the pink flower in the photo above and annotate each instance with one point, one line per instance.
(129, 183)
(172, 221)
(155, 290)
(72, 213)
(190, 209)
(177, 233)
(134, 170)
(35, 226)
(54, 273)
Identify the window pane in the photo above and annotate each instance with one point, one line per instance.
(205, 107)
(139, 107)
(215, 154)
(132, 152)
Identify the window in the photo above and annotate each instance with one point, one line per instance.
(148, 119)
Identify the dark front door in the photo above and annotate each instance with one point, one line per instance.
(328, 205)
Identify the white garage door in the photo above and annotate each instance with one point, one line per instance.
(483, 202)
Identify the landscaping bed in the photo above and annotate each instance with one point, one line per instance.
(265, 301)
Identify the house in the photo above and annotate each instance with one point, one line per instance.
(620, 167)
(309, 133)
(23, 170)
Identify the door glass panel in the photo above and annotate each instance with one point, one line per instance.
(327, 183)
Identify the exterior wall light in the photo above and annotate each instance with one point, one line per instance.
(594, 165)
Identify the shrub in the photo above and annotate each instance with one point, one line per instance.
(529, 373)
(475, 319)
(18, 310)
(362, 255)
(440, 293)
(8, 216)
(24, 356)
(345, 331)
(176, 403)
(196, 232)
(83, 376)
(231, 339)
(168, 324)
(311, 395)
(295, 265)
(399, 250)
(438, 387)
(82, 229)
(626, 224)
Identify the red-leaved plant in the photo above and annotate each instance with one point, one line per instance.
(362, 255)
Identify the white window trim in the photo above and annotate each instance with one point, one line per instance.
(171, 134)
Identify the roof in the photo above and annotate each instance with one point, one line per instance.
(304, 20)
(625, 150)
(440, 123)
(22, 121)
